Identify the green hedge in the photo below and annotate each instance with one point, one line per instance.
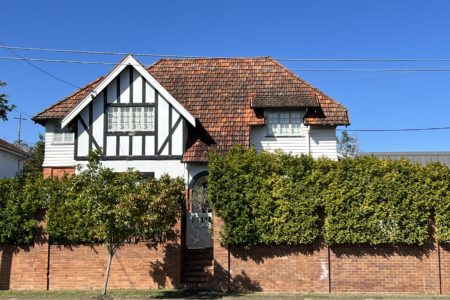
(21, 205)
(263, 198)
(277, 199)
(373, 201)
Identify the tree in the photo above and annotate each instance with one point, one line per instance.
(347, 145)
(4, 107)
(33, 167)
(110, 208)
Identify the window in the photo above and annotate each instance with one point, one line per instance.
(139, 118)
(284, 123)
(62, 136)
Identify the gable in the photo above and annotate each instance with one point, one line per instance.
(130, 119)
(129, 62)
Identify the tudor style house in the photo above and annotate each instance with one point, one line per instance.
(167, 117)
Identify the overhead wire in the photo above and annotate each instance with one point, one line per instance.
(19, 57)
(28, 59)
(74, 51)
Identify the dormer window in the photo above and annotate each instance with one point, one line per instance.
(130, 119)
(284, 123)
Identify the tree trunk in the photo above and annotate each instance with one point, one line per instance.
(108, 268)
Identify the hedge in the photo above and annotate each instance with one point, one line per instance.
(21, 204)
(263, 198)
(274, 198)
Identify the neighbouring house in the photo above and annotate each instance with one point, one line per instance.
(12, 158)
(423, 157)
(167, 117)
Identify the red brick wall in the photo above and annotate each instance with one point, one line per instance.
(23, 268)
(58, 171)
(134, 266)
(352, 269)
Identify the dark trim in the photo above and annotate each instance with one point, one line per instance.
(143, 145)
(130, 145)
(131, 83)
(89, 131)
(118, 88)
(156, 120)
(136, 133)
(146, 175)
(126, 157)
(183, 137)
(75, 152)
(117, 145)
(90, 119)
(197, 177)
(169, 136)
(130, 104)
(144, 90)
(105, 118)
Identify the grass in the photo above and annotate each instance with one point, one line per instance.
(190, 294)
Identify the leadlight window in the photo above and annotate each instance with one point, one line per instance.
(136, 118)
(284, 123)
(62, 136)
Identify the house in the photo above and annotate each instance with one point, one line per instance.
(165, 118)
(12, 158)
(423, 158)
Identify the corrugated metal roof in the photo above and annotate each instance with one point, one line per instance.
(420, 157)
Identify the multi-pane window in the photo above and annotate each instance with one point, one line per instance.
(139, 118)
(284, 123)
(62, 136)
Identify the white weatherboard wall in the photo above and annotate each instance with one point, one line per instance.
(10, 164)
(57, 155)
(322, 142)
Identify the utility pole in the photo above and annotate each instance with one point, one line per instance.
(19, 128)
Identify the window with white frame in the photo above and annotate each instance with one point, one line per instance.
(136, 118)
(62, 136)
(284, 123)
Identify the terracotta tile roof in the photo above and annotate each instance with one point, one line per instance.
(60, 109)
(220, 94)
(226, 96)
(13, 148)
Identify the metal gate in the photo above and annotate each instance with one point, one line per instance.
(199, 230)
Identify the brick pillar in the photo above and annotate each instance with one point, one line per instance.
(41, 260)
(221, 258)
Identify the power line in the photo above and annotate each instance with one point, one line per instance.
(38, 68)
(396, 130)
(73, 51)
(28, 59)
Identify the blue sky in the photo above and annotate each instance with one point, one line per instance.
(300, 29)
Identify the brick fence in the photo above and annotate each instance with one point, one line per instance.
(314, 268)
(52, 267)
(339, 269)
